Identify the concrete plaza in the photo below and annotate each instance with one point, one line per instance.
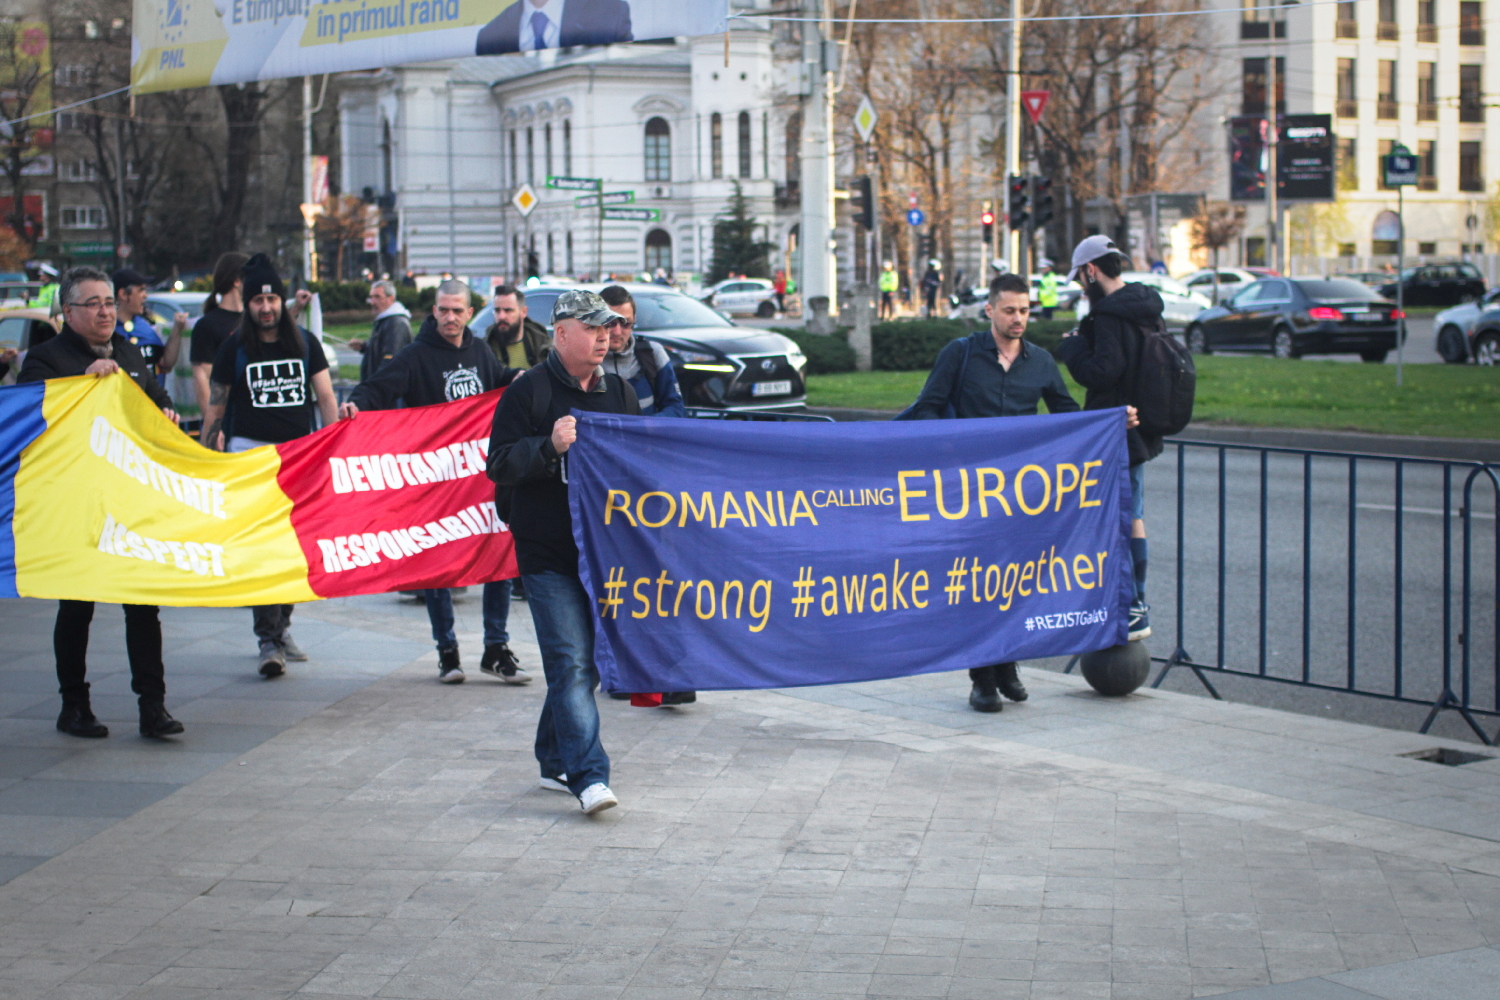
(356, 829)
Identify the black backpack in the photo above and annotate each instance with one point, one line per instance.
(1166, 381)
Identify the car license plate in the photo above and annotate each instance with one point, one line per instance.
(1369, 317)
(781, 388)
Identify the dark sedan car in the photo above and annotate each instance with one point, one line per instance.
(1290, 317)
(1437, 285)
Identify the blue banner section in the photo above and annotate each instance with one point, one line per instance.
(756, 555)
(21, 422)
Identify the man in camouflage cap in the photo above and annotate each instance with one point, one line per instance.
(528, 455)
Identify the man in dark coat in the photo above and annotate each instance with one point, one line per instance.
(532, 25)
(391, 332)
(90, 345)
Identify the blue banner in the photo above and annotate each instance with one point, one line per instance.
(754, 555)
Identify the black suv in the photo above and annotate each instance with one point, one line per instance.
(1437, 285)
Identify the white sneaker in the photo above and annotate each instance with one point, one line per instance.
(597, 798)
(557, 784)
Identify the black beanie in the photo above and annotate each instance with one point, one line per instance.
(260, 278)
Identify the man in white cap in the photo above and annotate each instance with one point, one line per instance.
(1103, 355)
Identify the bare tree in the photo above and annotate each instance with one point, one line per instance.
(25, 90)
(1216, 226)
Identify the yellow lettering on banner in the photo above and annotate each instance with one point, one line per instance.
(640, 509)
(1085, 483)
(739, 598)
(704, 508)
(829, 603)
(1028, 571)
(661, 581)
(1079, 572)
(752, 504)
(906, 494)
(937, 494)
(1061, 489)
(801, 508)
(1052, 563)
(764, 611)
(725, 515)
(854, 593)
(682, 588)
(878, 594)
(1008, 585)
(1021, 492)
(635, 592)
(698, 600)
(618, 500)
(918, 585)
(997, 494)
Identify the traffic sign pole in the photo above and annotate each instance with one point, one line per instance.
(1399, 167)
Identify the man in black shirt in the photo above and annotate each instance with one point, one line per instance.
(533, 430)
(263, 385)
(221, 317)
(447, 362)
(89, 345)
(995, 373)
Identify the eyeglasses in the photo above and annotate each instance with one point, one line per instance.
(623, 324)
(93, 305)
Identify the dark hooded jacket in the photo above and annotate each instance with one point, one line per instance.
(534, 338)
(430, 370)
(1106, 354)
(69, 354)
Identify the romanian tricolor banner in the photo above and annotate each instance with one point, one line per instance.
(102, 498)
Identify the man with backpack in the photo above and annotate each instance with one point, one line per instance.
(447, 362)
(994, 373)
(1122, 355)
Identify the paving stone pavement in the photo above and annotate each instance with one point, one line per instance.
(877, 840)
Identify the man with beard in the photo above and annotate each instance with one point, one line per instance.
(265, 382)
(447, 362)
(517, 340)
(90, 345)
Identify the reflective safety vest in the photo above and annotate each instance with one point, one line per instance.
(45, 295)
(889, 281)
(1048, 294)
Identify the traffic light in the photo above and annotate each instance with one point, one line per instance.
(987, 224)
(864, 202)
(1041, 200)
(1018, 201)
(929, 247)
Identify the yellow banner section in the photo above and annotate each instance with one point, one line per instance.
(113, 494)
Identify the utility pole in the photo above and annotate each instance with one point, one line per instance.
(820, 59)
(309, 243)
(1013, 131)
(1273, 127)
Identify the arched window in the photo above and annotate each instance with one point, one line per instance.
(658, 150)
(530, 156)
(716, 145)
(745, 144)
(659, 251)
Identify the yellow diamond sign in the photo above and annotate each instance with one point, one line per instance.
(525, 199)
(865, 119)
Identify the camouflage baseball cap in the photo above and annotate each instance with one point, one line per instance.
(585, 306)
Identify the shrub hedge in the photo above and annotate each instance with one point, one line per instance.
(906, 345)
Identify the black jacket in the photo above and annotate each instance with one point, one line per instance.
(387, 336)
(534, 338)
(1106, 354)
(68, 354)
(430, 370)
(988, 389)
(584, 22)
(522, 457)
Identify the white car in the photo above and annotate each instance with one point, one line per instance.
(1231, 280)
(743, 296)
(1180, 305)
(1454, 327)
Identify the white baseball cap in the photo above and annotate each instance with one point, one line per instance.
(1090, 250)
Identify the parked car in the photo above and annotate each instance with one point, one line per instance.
(1455, 327)
(742, 296)
(1290, 317)
(1484, 344)
(165, 305)
(1374, 279)
(1180, 305)
(16, 294)
(719, 365)
(1437, 285)
(24, 329)
(1231, 281)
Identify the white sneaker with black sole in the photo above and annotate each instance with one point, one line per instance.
(596, 798)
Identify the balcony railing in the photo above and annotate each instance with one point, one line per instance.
(1470, 111)
(1471, 36)
(1427, 33)
(1387, 110)
(1387, 31)
(1427, 112)
(1348, 29)
(1347, 108)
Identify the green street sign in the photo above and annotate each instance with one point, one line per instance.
(609, 197)
(574, 183)
(632, 214)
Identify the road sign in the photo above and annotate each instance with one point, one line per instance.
(525, 199)
(574, 183)
(632, 214)
(610, 198)
(124, 250)
(1400, 167)
(865, 119)
(916, 216)
(1035, 101)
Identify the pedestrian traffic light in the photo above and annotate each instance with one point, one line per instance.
(1041, 200)
(864, 202)
(987, 224)
(1018, 201)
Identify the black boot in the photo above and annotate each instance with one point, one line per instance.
(985, 696)
(1009, 682)
(156, 720)
(78, 720)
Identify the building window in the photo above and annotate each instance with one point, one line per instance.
(1426, 20)
(1470, 93)
(531, 156)
(547, 149)
(1427, 92)
(1348, 176)
(83, 217)
(745, 144)
(568, 240)
(1427, 249)
(659, 251)
(551, 255)
(1470, 167)
(79, 170)
(568, 155)
(73, 76)
(658, 150)
(716, 145)
(1256, 21)
(794, 148)
(515, 166)
(1348, 25)
(1253, 100)
(69, 121)
(1346, 249)
(1385, 91)
(1470, 23)
(1426, 165)
(1348, 105)
(1386, 28)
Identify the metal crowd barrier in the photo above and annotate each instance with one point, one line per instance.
(1411, 632)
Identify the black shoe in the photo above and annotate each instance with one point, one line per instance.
(620, 695)
(449, 672)
(78, 720)
(157, 721)
(678, 697)
(985, 698)
(1010, 682)
(499, 662)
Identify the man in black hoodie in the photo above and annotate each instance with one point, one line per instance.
(447, 362)
(1104, 355)
(90, 345)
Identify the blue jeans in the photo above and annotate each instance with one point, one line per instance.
(496, 615)
(1138, 492)
(567, 735)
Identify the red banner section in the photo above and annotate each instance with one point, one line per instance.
(398, 500)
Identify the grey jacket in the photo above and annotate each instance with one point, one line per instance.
(392, 331)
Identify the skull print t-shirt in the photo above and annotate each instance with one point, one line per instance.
(271, 395)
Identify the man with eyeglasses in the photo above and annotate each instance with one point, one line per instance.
(90, 345)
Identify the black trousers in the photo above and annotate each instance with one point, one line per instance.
(271, 622)
(70, 643)
(987, 675)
